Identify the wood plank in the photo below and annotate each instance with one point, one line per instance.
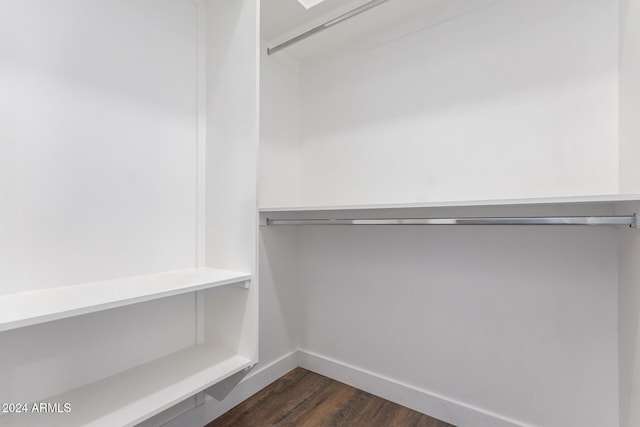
(305, 399)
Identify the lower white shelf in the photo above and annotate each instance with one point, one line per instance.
(133, 396)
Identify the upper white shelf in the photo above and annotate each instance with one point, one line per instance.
(574, 200)
(33, 307)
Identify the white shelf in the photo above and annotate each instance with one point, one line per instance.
(33, 307)
(135, 395)
(574, 200)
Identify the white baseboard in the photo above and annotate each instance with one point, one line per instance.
(251, 384)
(440, 407)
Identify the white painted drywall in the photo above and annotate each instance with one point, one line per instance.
(629, 321)
(279, 293)
(97, 178)
(515, 99)
(629, 303)
(279, 167)
(97, 140)
(279, 183)
(629, 95)
(519, 322)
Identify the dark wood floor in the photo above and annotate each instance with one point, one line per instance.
(305, 399)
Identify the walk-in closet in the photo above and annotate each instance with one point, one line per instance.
(432, 201)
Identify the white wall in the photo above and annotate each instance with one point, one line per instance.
(518, 98)
(279, 169)
(518, 322)
(97, 140)
(280, 294)
(517, 325)
(97, 178)
(629, 303)
(629, 96)
(278, 184)
(511, 326)
(629, 319)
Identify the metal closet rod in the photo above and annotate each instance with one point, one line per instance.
(629, 220)
(355, 12)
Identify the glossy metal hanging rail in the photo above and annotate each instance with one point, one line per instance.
(628, 220)
(355, 12)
